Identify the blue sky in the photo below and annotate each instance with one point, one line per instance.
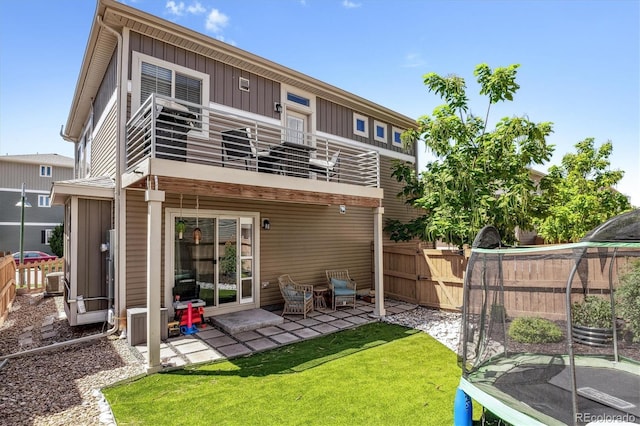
(580, 60)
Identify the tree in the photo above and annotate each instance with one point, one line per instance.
(56, 240)
(578, 195)
(479, 176)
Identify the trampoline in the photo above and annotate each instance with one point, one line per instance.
(577, 381)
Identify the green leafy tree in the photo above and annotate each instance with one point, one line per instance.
(56, 241)
(480, 176)
(578, 195)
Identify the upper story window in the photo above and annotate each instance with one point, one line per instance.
(298, 99)
(45, 171)
(152, 75)
(360, 125)
(380, 131)
(396, 137)
(44, 201)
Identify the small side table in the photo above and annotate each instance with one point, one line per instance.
(318, 297)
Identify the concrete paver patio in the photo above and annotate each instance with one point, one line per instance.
(211, 343)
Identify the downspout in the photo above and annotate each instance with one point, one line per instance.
(118, 173)
(114, 328)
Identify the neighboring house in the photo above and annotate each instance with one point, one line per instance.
(217, 169)
(37, 172)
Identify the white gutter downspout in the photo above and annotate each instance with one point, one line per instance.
(114, 328)
(120, 136)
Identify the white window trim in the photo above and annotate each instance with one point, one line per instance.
(171, 213)
(309, 111)
(44, 200)
(395, 130)
(47, 235)
(377, 124)
(138, 58)
(48, 170)
(364, 118)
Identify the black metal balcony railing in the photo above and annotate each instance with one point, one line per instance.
(191, 133)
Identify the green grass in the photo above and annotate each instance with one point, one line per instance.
(376, 374)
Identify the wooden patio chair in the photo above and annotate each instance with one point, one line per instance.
(343, 288)
(298, 298)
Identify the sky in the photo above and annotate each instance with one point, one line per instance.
(579, 60)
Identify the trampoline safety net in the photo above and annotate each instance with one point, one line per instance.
(522, 342)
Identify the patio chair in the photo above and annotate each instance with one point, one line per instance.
(325, 167)
(343, 288)
(237, 144)
(298, 298)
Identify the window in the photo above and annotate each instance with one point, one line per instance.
(298, 99)
(396, 137)
(152, 75)
(45, 171)
(45, 236)
(44, 201)
(156, 79)
(360, 125)
(381, 131)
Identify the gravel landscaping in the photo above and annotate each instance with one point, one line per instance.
(61, 387)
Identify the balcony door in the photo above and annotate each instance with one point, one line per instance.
(213, 259)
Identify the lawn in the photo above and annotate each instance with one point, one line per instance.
(376, 374)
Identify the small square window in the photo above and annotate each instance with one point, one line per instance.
(45, 171)
(360, 125)
(243, 84)
(396, 137)
(381, 131)
(44, 201)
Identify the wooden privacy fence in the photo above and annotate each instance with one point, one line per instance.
(538, 286)
(31, 277)
(416, 273)
(7, 285)
(434, 278)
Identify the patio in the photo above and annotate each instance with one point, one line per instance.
(212, 343)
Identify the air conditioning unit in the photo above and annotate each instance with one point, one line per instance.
(54, 284)
(137, 325)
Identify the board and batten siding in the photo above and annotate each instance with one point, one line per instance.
(94, 219)
(107, 88)
(394, 206)
(338, 120)
(224, 78)
(304, 241)
(103, 146)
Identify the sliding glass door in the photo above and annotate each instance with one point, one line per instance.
(214, 258)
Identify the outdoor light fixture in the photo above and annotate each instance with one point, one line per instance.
(277, 107)
(343, 209)
(22, 204)
(266, 225)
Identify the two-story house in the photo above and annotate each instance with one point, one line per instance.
(218, 169)
(36, 172)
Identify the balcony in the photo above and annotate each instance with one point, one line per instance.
(184, 132)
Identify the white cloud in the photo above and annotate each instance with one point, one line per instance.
(175, 8)
(216, 21)
(196, 8)
(350, 5)
(179, 8)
